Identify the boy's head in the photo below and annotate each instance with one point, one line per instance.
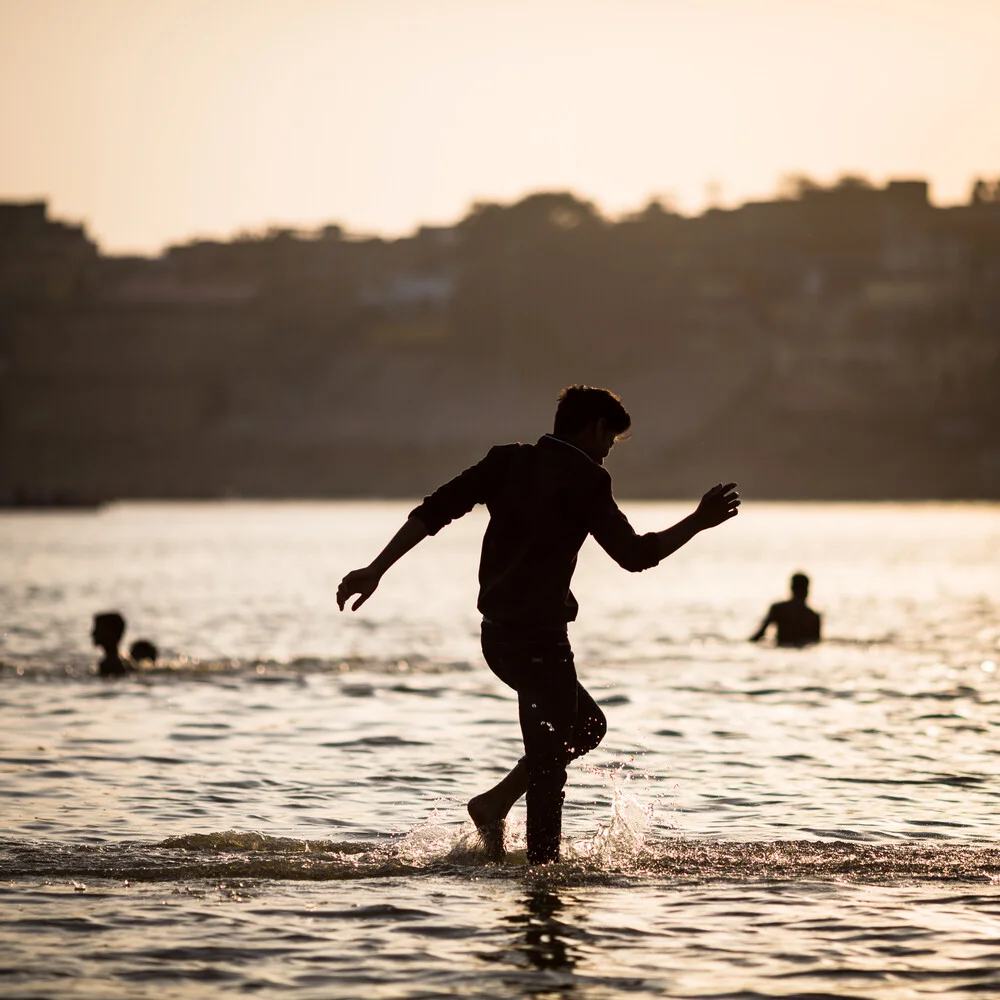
(109, 627)
(800, 585)
(592, 418)
(581, 405)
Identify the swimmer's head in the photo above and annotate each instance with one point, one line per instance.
(143, 649)
(109, 627)
(800, 585)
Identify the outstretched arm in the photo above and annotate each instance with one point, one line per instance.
(364, 581)
(759, 634)
(446, 503)
(638, 552)
(719, 504)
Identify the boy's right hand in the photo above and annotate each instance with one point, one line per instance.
(358, 581)
(719, 504)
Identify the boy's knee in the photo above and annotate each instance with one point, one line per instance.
(594, 729)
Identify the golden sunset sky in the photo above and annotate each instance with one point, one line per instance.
(154, 121)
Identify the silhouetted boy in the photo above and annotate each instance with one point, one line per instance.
(798, 624)
(544, 500)
(109, 627)
(143, 651)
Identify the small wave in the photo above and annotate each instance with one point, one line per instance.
(234, 840)
(235, 855)
(263, 671)
(375, 741)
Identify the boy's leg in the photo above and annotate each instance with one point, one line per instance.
(489, 810)
(544, 676)
(547, 706)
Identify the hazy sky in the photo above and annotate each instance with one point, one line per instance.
(157, 120)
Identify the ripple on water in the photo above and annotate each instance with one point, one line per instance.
(614, 856)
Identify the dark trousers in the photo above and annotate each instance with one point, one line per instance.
(559, 720)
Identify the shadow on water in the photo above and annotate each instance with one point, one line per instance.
(550, 944)
(543, 938)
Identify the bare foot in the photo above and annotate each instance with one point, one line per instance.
(489, 828)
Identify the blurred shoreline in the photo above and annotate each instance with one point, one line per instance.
(836, 343)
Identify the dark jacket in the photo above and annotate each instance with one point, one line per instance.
(544, 499)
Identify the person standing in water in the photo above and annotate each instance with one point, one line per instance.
(109, 627)
(544, 499)
(798, 624)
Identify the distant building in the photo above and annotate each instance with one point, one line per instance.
(838, 341)
(42, 261)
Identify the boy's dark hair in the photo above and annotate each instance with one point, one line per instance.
(113, 622)
(580, 405)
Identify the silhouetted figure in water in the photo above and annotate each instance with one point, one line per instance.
(143, 651)
(109, 627)
(544, 500)
(798, 624)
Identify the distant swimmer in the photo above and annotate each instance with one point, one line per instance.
(798, 624)
(109, 627)
(544, 499)
(143, 651)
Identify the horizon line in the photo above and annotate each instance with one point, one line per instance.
(662, 198)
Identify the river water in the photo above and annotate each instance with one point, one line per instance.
(278, 807)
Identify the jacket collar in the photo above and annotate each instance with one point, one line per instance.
(566, 444)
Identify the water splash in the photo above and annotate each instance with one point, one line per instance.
(619, 843)
(434, 840)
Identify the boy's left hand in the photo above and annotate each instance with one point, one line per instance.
(719, 504)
